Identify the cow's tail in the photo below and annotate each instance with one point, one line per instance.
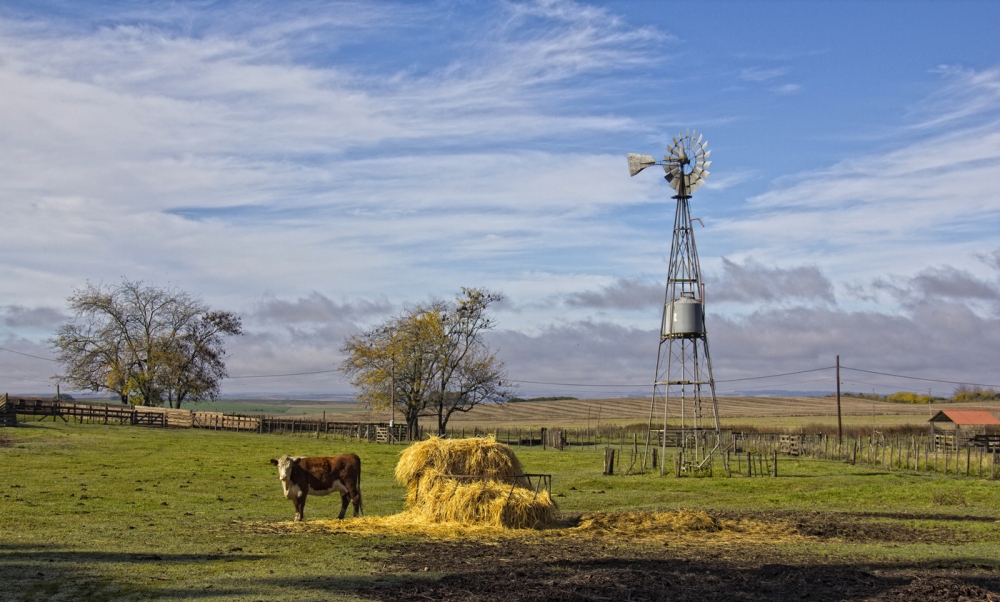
(361, 498)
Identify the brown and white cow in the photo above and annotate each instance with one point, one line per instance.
(321, 476)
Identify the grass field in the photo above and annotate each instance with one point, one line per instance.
(111, 512)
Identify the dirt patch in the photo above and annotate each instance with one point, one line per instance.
(576, 571)
(604, 560)
(6, 440)
(852, 527)
(937, 588)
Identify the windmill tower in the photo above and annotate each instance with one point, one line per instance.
(683, 388)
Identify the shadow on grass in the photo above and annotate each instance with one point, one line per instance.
(32, 572)
(688, 580)
(34, 553)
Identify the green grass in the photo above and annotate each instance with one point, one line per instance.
(110, 512)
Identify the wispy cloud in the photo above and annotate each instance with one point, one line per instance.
(762, 74)
(866, 214)
(786, 89)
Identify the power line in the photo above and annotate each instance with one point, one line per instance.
(800, 382)
(34, 380)
(535, 382)
(731, 380)
(290, 374)
(28, 355)
(735, 380)
(930, 380)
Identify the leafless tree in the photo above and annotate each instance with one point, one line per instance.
(468, 372)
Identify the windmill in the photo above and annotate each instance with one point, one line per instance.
(683, 379)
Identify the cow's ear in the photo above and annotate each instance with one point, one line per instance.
(274, 462)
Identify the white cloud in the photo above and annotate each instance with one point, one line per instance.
(762, 74)
(786, 88)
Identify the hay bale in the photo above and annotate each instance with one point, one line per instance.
(502, 498)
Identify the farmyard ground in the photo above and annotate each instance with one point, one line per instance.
(111, 512)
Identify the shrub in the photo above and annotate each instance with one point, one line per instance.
(908, 397)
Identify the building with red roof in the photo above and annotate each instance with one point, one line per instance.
(963, 424)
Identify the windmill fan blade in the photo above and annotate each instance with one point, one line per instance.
(708, 153)
(637, 163)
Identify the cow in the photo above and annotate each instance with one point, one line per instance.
(320, 476)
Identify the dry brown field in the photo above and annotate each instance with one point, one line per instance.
(756, 411)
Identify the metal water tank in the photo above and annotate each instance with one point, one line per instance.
(683, 317)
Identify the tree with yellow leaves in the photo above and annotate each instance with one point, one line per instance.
(429, 360)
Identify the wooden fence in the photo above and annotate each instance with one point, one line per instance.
(112, 413)
(8, 417)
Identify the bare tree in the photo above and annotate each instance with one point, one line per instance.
(195, 362)
(145, 344)
(468, 372)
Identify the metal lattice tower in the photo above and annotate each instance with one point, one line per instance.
(684, 388)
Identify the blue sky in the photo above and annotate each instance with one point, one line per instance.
(317, 166)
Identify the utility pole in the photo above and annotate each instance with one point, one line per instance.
(840, 425)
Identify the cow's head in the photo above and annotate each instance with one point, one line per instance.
(284, 464)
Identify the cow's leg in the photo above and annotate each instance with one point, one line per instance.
(344, 500)
(300, 507)
(355, 496)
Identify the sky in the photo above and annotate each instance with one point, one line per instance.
(317, 167)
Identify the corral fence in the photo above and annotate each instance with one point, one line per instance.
(977, 456)
(8, 417)
(111, 413)
(752, 454)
